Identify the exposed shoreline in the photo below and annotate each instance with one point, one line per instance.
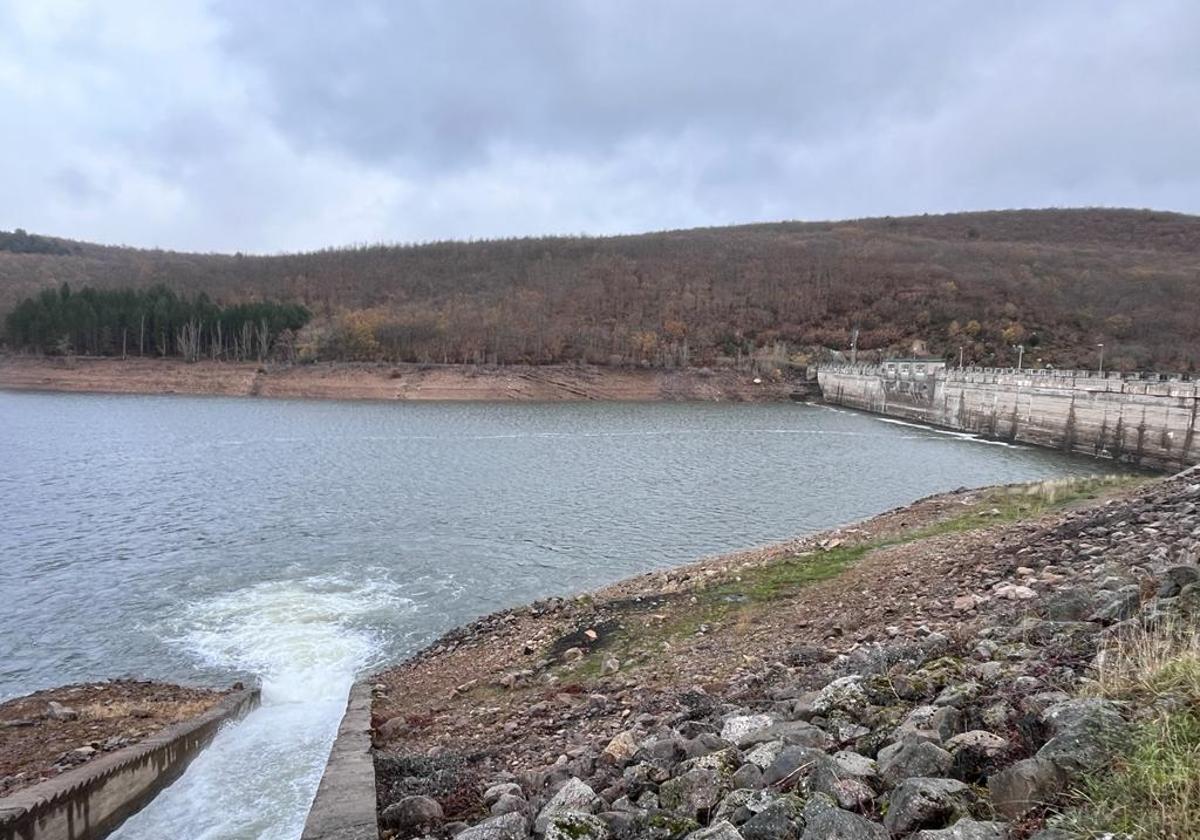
(993, 593)
(392, 382)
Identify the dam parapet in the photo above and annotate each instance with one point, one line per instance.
(1148, 419)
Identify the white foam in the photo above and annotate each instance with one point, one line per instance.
(948, 433)
(306, 640)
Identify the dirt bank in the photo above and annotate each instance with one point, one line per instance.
(44, 734)
(386, 382)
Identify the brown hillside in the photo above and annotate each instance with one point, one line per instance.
(1058, 281)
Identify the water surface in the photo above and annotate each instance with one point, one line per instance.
(300, 543)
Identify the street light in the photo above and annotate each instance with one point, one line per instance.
(1101, 346)
(1020, 348)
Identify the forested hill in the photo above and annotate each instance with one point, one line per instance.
(1056, 281)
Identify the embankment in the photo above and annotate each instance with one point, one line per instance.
(389, 382)
(938, 671)
(1146, 419)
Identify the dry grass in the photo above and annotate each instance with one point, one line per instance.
(1153, 791)
(1148, 664)
(173, 711)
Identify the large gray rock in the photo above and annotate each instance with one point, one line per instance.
(966, 829)
(957, 695)
(574, 795)
(792, 765)
(1026, 785)
(823, 820)
(977, 754)
(945, 721)
(509, 804)
(1124, 604)
(844, 695)
(763, 755)
(740, 805)
(909, 760)
(717, 831)
(1176, 578)
(507, 827)
(663, 825)
(496, 791)
(725, 762)
(574, 825)
(693, 794)
(847, 778)
(926, 803)
(794, 732)
(739, 726)
(413, 814)
(747, 776)
(622, 824)
(1085, 734)
(781, 820)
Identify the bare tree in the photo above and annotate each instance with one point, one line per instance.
(187, 339)
(264, 340)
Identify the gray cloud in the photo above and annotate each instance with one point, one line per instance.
(279, 125)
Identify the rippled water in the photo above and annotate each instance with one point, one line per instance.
(300, 543)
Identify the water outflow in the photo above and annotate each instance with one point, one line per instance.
(306, 640)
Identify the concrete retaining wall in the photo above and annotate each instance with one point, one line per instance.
(344, 808)
(1143, 419)
(93, 800)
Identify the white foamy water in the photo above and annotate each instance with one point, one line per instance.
(306, 640)
(948, 432)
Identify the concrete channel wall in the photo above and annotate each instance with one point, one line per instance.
(91, 801)
(344, 808)
(1147, 419)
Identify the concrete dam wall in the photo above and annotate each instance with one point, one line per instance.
(1147, 419)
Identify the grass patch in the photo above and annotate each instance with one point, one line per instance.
(755, 586)
(784, 577)
(1003, 505)
(1024, 501)
(1153, 790)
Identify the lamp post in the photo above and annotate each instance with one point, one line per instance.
(1101, 346)
(960, 357)
(1020, 348)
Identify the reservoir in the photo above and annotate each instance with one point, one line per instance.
(301, 543)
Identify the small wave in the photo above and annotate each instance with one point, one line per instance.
(948, 433)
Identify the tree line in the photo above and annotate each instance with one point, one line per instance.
(152, 322)
(1056, 282)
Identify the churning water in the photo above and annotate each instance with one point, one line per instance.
(306, 639)
(303, 543)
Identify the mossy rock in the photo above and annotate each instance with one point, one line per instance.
(940, 672)
(663, 825)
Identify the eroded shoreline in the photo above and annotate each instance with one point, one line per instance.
(392, 382)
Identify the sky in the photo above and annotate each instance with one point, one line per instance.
(282, 125)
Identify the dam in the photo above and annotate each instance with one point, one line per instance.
(1148, 419)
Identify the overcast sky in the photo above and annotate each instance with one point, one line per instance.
(282, 125)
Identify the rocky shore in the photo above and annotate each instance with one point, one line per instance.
(975, 666)
(364, 381)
